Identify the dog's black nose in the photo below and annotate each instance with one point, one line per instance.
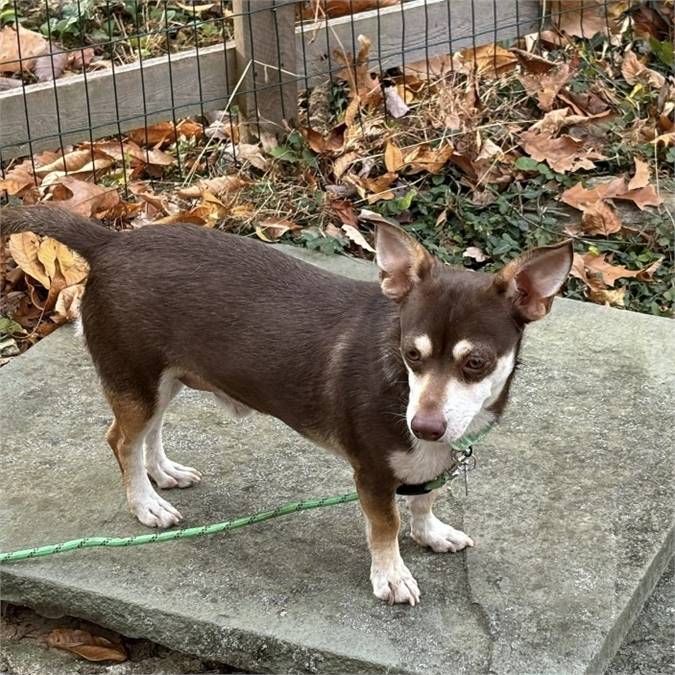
(428, 426)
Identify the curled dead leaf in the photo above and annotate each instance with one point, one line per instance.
(487, 60)
(546, 87)
(393, 158)
(86, 645)
(26, 43)
(217, 186)
(641, 177)
(273, 229)
(561, 154)
(67, 307)
(357, 237)
(634, 71)
(84, 198)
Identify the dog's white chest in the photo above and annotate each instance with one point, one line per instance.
(426, 461)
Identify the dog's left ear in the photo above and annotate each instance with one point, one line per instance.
(403, 262)
(532, 281)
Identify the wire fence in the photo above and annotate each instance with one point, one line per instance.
(73, 73)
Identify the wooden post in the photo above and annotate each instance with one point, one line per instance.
(264, 32)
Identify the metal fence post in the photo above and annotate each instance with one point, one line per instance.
(264, 33)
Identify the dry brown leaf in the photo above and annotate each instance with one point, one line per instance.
(393, 157)
(556, 120)
(608, 273)
(425, 158)
(357, 237)
(76, 161)
(356, 73)
(23, 248)
(31, 44)
(318, 9)
(273, 229)
(580, 18)
(341, 164)
(532, 63)
(600, 218)
(641, 177)
(86, 645)
(561, 154)
(605, 296)
(641, 197)
(380, 183)
(546, 87)
(634, 71)
(488, 60)
(18, 179)
(67, 307)
(345, 211)
(84, 198)
(252, 153)
(334, 142)
(165, 133)
(217, 186)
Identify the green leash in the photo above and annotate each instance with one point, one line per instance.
(464, 451)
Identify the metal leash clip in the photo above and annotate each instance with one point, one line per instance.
(466, 461)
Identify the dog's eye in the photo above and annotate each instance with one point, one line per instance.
(412, 354)
(475, 362)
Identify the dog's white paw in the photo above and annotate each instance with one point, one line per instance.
(434, 533)
(393, 583)
(153, 511)
(168, 474)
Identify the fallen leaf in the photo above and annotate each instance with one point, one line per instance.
(532, 63)
(356, 73)
(380, 183)
(641, 177)
(580, 18)
(84, 198)
(252, 153)
(545, 87)
(344, 209)
(30, 45)
(23, 248)
(641, 197)
(165, 133)
(476, 253)
(426, 158)
(77, 161)
(273, 229)
(608, 273)
(561, 154)
(217, 186)
(357, 237)
(334, 142)
(67, 307)
(341, 164)
(600, 218)
(18, 179)
(556, 120)
(605, 296)
(634, 71)
(86, 645)
(393, 157)
(487, 60)
(318, 9)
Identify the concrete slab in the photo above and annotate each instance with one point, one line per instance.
(571, 508)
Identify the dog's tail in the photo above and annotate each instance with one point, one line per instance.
(77, 232)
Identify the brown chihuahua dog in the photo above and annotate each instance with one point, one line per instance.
(387, 375)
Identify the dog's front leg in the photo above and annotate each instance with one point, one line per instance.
(390, 577)
(428, 530)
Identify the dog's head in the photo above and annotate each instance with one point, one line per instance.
(461, 330)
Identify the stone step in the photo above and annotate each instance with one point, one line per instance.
(570, 507)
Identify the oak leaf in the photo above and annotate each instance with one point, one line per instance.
(86, 645)
(546, 87)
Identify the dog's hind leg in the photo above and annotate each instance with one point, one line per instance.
(427, 530)
(165, 472)
(133, 420)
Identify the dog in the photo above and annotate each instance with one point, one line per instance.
(385, 374)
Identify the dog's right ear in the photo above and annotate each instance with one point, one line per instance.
(403, 262)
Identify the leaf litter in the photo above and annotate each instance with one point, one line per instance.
(471, 150)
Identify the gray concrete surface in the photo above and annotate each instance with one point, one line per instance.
(570, 507)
